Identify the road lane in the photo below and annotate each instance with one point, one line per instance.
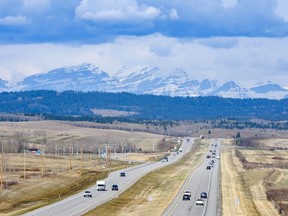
(78, 205)
(200, 180)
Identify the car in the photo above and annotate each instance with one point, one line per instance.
(212, 162)
(218, 157)
(186, 197)
(208, 167)
(122, 174)
(199, 202)
(203, 195)
(187, 192)
(114, 187)
(165, 159)
(87, 194)
(208, 156)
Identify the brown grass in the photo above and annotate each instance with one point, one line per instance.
(37, 192)
(236, 198)
(264, 179)
(160, 186)
(58, 178)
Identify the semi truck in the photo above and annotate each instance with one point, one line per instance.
(101, 185)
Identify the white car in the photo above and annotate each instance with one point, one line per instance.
(199, 202)
(187, 192)
(87, 194)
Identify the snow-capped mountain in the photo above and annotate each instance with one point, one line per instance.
(85, 77)
(4, 86)
(142, 79)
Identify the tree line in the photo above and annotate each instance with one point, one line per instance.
(71, 105)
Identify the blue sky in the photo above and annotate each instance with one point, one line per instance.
(245, 40)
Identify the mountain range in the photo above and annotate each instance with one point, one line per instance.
(141, 79)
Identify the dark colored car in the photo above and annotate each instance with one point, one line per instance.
(115, 187)
(122, 174)
(203, 195)
(186, 197)
(208, 167)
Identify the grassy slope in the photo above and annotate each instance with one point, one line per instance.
(34, 193)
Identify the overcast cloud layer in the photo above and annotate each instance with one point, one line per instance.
(228, 39)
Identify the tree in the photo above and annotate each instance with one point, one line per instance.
(238, 136)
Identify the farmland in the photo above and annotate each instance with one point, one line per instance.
(43, 162)
(258, 173)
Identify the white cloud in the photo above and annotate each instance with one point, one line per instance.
(173, 14)
(116, 10)
(258, 59)
(36, 5)
(228, 3)
(282, 9)
(14, 20)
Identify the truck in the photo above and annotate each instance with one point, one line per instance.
(101, 185)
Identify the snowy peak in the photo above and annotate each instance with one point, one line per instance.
(230, 89)
(4, 86)
(80, 78)
(265, 88)
(136, 73)
(142, 79)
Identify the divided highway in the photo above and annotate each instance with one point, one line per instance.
(78, 205)
(200, 180)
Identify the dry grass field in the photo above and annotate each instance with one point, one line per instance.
(71, 159)
(255, 183)
(161, 187)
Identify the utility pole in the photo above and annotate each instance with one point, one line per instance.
(71, 158)
(57, 155)
(91, 154)
(81, 150)
(108, 153)
(2, 160)
(43, 164)
(24, 170)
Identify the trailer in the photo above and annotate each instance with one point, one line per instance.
(101, 185)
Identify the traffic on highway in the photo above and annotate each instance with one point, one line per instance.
(107, 189)
(200, 193)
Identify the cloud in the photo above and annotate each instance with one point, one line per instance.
(14, 20)
(282, 65)
(219, 42)
(116, 11)
(161, 48)
(97, 21)
(258, 59)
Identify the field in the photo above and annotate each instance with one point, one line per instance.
(68, 159)
(254, 177)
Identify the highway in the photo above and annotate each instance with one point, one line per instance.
(78, 205)
(200, 180)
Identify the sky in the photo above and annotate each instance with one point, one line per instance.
(241, 40)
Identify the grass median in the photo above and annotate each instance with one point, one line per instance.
(151, 194)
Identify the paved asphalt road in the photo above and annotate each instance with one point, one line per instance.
(78, 205)
(200, 180)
